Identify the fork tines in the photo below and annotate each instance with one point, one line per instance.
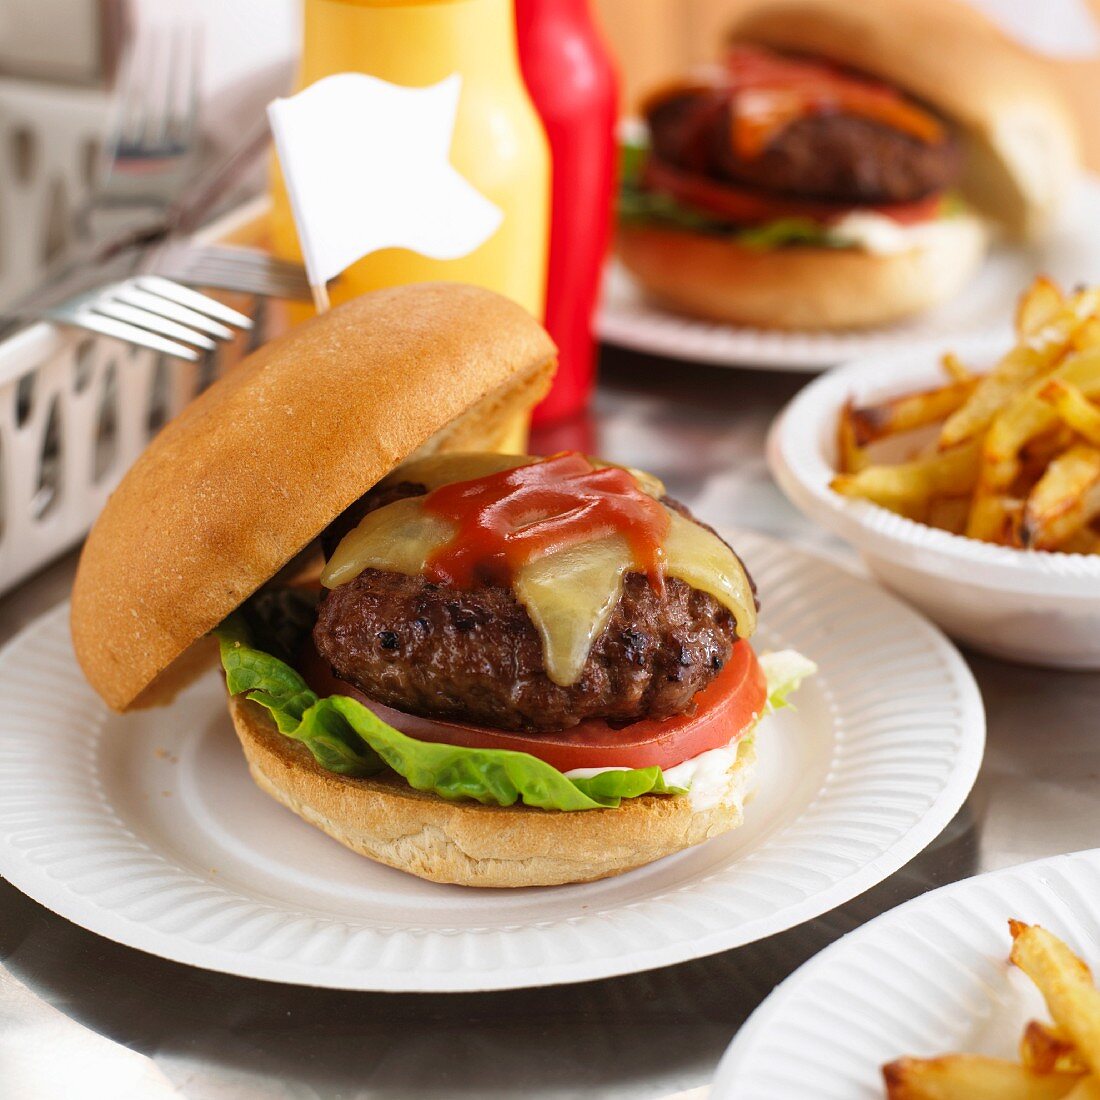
(231, 267)
(156, 313)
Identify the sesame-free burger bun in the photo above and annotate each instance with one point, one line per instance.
(800, 286)
(254, 469)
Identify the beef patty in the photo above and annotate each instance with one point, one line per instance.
(474, 655)
(832, 157)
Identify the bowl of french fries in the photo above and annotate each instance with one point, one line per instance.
(970, 484)
(1059, 1058)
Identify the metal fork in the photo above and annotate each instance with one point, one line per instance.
(154, 313)
(152, 138)
(229, 267)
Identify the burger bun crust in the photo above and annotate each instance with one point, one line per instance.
(800, 286)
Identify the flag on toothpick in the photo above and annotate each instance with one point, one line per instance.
(366, 166)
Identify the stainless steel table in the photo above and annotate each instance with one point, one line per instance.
(80, 1015)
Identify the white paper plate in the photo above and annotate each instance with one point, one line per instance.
(927, 978)
(628, 319)
(147, 829)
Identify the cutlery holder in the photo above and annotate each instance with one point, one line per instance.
(75, 412)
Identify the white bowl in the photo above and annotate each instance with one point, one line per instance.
(1034, 606)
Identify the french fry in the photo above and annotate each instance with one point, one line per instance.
(972, 1077)
(896, 415)
(1057, 1060)
(1039, 352)
(851, 458)
(955, 368)
(1038, 453)
(1065, 983)
(1020, 446)
(909, 487)
(1029, 415)
(1087, 1089)
(1047, 1049)
(948, 514)
(1074, 408)
(1087, 336)
(1037, 305)
(1065, 499)
(1025, 419)
(1086, 541)
(994, 516)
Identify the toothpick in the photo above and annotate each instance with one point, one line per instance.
(320, 297)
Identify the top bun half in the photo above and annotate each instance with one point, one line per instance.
(257, 466)
(1021, 140)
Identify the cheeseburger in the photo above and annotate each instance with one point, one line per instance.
(505, 670)
(842, 165)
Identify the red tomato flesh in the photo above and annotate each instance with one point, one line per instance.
(745, 206)
(722, 712)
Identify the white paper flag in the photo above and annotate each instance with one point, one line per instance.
(366, 166)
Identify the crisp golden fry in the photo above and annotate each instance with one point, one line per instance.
(994, 516)
(1029, 416)
(1038, 453)
(948, 514)
(1037, 305)
(955, 368)
(1083, 542)
(1087, 1089)
(1087, 336)
(1058, 1060)
(1065, 499)
(851, 458)
(1038, 353)
(909, 487)
(1026, 418)
(908, 412)
(972, 1077)
(1065, 983)
(1045, 1048)
(1074, 408)
(1015, 460)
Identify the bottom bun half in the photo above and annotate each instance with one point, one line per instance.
(466, 843)
(801, 286)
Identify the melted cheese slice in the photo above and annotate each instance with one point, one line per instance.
(569, 594)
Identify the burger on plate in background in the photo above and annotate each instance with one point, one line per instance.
(487, 669)
(842, 166)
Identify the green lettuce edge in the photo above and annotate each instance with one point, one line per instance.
(345, 737)
(637, 205)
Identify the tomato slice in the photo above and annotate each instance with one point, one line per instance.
(721, 713)
(744, 206)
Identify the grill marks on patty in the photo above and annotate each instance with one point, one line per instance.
(475, 656)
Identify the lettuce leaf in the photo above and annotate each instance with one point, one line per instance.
(345, 737)
(638, 205)
(784, 671)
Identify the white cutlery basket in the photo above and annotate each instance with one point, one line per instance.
(50, 141)
(76, 410)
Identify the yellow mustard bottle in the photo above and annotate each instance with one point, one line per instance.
(499, 144)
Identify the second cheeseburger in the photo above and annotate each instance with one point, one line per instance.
(841, 165)
(514, 671)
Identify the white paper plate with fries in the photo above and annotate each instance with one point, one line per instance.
(969, 482)
(980, 990)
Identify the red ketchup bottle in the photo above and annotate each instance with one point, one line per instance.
(574, 86)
